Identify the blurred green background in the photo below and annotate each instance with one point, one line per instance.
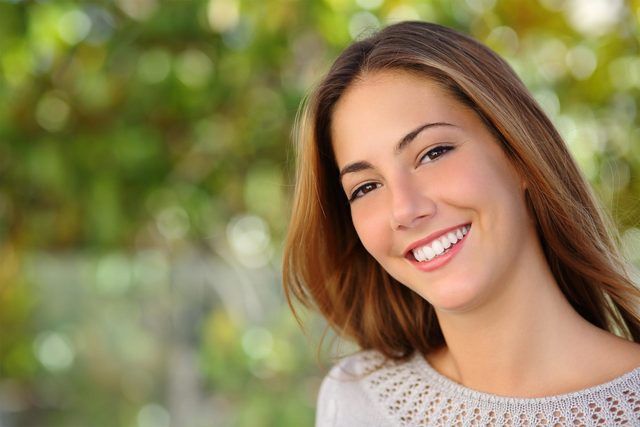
(145, 181)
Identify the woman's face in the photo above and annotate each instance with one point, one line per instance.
(433, 197)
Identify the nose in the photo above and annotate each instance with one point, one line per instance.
(410, 203)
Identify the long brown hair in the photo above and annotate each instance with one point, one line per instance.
(326, 266)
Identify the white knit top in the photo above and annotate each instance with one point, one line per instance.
(367, 390)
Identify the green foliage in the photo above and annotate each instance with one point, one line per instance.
(146, 167)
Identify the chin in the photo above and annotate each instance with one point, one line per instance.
(451, 297)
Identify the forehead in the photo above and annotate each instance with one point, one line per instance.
(390, 89)
(384, 106)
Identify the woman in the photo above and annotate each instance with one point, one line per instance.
(440, 223)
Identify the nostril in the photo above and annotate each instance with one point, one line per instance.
(411, 213)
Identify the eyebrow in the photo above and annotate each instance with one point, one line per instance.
(404, 143)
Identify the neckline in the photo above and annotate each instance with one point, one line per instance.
(445, 382)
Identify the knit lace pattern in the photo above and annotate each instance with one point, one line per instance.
(413, 393)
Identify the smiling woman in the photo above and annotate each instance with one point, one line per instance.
(446, 176)
(440, 223)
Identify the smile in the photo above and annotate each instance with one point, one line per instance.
(440, 245)
(436, 250)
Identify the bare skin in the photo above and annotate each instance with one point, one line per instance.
(508, 328)
(535, 345)
(553, 352)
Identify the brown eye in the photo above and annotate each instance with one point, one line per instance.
(435, 153)
(362, 190)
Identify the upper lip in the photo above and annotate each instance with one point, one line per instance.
(431, 237)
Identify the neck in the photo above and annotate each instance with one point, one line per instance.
(517, 343)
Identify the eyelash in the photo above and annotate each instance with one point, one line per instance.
(360, 189)
(440, 150)
(436, 149)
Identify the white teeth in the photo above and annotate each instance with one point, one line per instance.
(438, 246)
(428, 252)
(452, 238)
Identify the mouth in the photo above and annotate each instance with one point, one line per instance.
(435, 247)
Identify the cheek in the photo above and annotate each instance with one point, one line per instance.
(495, 191)
(467, 187)
(482, 181)
(370, 225)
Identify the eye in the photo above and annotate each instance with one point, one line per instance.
(435, 153)
(362, 190)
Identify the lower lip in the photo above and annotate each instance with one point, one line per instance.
(440, 260)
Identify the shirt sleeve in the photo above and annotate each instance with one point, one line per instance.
(326, 409)
(344, 402)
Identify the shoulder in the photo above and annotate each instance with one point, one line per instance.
(358, 365)
(616, 355)
(345, 398)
